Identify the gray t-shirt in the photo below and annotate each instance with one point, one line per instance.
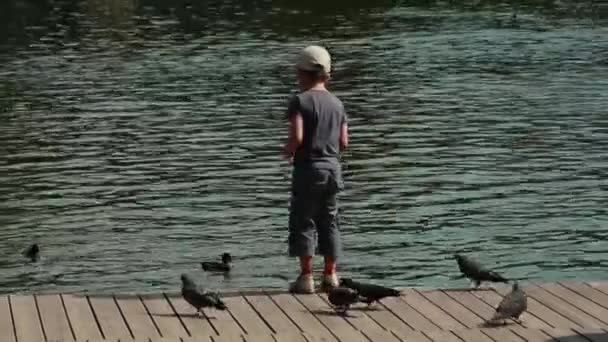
(323, 115)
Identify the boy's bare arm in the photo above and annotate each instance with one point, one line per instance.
(296, 134)
(344, 136)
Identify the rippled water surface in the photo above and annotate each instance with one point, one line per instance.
(138, 138)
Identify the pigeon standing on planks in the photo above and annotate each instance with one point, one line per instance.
(369, 293)
(32, 252)
(477, 273)
(198, 298)
(512, 305)
(224, 266)
(342, 298)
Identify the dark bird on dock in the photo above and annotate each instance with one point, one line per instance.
(474, 271)
(512, 305)
(224, 266)
(342, 298)
(32, 252)
(198, 298)
(369, 293)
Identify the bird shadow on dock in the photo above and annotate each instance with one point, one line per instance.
(189, 315)
(366, 308)
(595, 336)
(320, 312)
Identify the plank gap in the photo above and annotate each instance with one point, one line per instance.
(318, 319)
(40, 317)
(397, 316)
(122, 314)
(286, 314)
(141, 300)
(260, 315)
(589, 288)
(177, 315)
(67, 317)
(10, 308)
(103, 335)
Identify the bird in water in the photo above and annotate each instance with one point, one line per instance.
(477, 273)
(369, 293)
(342, 298)
(32, 252)
(224, 266)
(512, 305)
(198, 298)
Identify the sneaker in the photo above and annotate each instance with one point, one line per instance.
(305, 284)
(329, 281)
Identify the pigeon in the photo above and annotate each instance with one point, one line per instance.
(198, 298)
(32, 252)
(512, 305)
(370, 293)
(474, 271)
(342, 298)
(224, 266)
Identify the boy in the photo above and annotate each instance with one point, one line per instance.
(318, 132)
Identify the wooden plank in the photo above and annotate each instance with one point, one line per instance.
(138, 320)
(529, 319)
(7, 332)
(25, 315)
(165, 318)
(272, 314)
(472, 335)
(593, 335)
(503, 334)
(442, 336)
(197, 326)
(453, 308)
(54, 319)
(549, 316)
(367, 326)
(81, 318)
(302, 317)
(112, 324)
(594, 295)
(580, 302)
(408, 314)
(530, 335)
(339, 326)
(295, 337)
(417, 336)
(386, 319)
(246, 317)
(568, 311)
(599, 285)
(482, 309)
(431, 311)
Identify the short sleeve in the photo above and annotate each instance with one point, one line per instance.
(293, 106)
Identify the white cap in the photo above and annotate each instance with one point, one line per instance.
(314, 58)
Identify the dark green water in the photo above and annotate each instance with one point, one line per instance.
(138, 138)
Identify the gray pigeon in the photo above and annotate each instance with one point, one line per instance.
(342, 298)
(512, 305)
(198, 298)
(474, 271)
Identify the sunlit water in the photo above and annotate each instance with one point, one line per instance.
(137, 140)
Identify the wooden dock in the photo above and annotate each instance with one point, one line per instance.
(569, 312)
